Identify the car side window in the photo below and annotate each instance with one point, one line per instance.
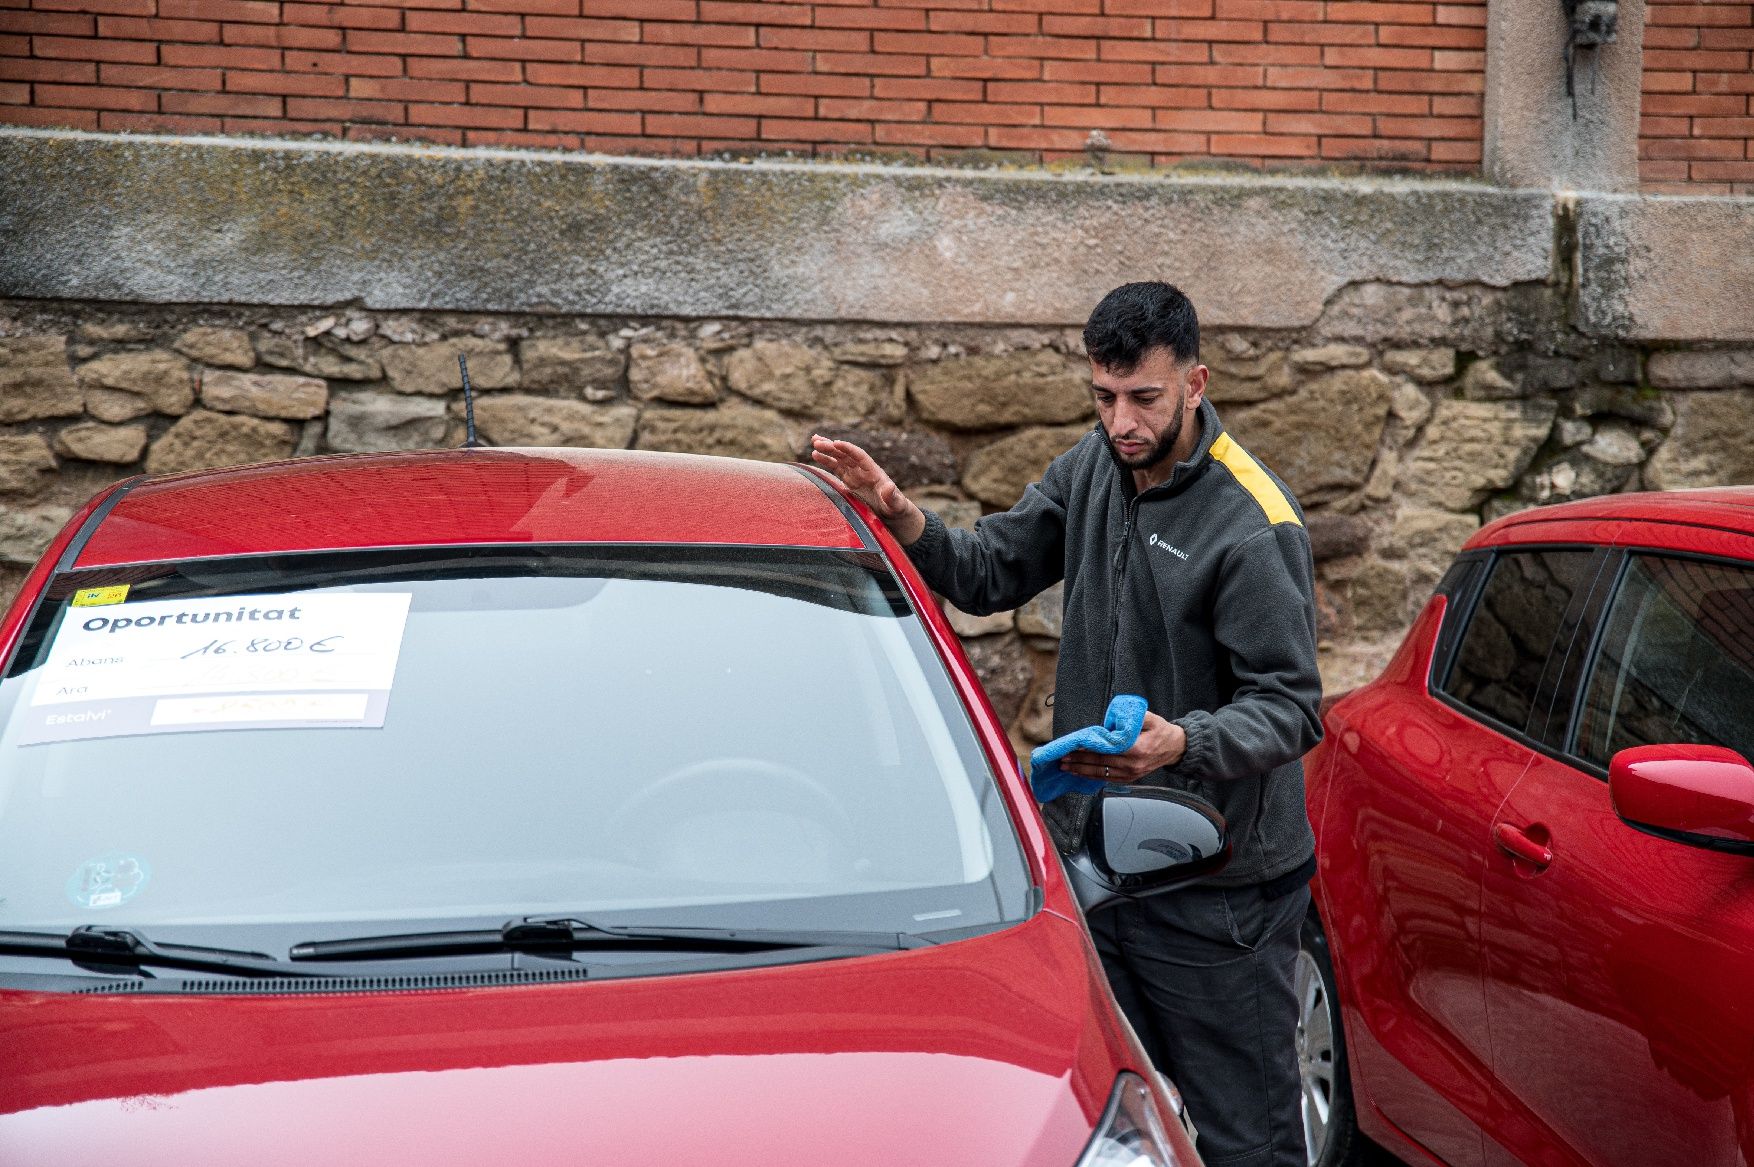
(1676, 662)
(1504, 646)
(1457, 587)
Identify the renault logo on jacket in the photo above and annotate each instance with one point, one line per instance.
(1165, 545)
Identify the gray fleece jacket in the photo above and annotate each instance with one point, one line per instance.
(1197, 594)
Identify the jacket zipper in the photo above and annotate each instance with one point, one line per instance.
(1115, 599)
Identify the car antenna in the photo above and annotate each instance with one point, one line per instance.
(469, 439)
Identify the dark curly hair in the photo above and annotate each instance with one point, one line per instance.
(1136, 317)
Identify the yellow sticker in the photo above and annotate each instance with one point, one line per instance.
(97, 597)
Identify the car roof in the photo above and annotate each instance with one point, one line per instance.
(475, 496)
(1728, 508)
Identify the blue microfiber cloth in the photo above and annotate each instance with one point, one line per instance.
(1116, 735)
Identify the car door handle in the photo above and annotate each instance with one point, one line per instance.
(1518, 845)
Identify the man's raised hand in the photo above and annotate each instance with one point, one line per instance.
(861, 475)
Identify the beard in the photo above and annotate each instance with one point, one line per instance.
(1160, 447)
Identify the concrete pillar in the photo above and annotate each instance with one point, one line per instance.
(1532, 140)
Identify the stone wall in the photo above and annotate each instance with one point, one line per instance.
(1402, 417)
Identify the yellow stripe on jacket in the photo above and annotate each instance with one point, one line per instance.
(1255, 480)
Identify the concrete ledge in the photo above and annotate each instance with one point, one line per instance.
(1666, 268)
(184, 220)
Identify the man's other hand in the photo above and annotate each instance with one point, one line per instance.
(867, 481)
(1160, 743)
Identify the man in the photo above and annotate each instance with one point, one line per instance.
(1188, 581)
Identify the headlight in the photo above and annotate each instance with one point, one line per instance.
(1132, 1132)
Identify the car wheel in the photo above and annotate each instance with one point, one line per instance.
(1330, 1129)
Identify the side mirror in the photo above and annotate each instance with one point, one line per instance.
(1699, 795)
(1143, 841)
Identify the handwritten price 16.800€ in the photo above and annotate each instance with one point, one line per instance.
(264, 645)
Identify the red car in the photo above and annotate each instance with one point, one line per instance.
(1535, 903)
(538, 806)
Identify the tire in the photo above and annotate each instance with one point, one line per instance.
(1330, 1123)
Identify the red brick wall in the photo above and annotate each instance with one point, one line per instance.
(1262, 82)
(1697, 130)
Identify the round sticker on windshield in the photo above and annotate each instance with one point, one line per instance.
(108, 881)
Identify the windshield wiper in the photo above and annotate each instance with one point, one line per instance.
(91, 944)
(569, 934)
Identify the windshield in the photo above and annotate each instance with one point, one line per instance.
(334, 744)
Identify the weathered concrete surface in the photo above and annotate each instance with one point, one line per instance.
(185, 220)
(1666, 268)
(1531, 138)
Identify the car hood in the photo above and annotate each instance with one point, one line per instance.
(999, 1049)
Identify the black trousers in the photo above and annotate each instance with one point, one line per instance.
(1207, 977)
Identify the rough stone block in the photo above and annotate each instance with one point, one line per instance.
(966, 625)
(1410, 405)
(570, 364)
(160, 379)
(1334, 536)
(1472, 448)
(1379, 597)
(960, 513)
(1574, 474)
(1701, 369)
(1332, 619)
(1005, 671)
(34, 379)
(95, 442)
(996, 390)
(514, 419)
(792, 377)
(732, 431)
(26, 531)
(1320, 440)
(204, 439)
(355, 328)
(114, 332)
(998, 473)
(1616, 444)
(669, 372)
(1044, 615)
(265, 395)
(870, 352)
(1422, 364)
(1485, 382)
(432, 368)
(1036, 719)
(1709, 444)
(226, 347)
(1572, 431)
(1617, 364)
(24, 460)
(1541, 372)
(116, 405)
(1645, 406)
(1331, 356)
(1380, 486)
(330, 361)
(1244, 379)
(367, 422)
(1427, 535)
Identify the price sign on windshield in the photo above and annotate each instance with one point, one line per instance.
(231, 662)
